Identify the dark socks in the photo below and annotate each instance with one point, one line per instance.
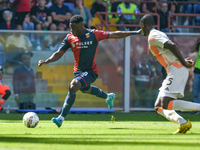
(98, 92)
(69, 101)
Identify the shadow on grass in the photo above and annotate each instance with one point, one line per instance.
(134, 116)
(94, 141)
(130, 129)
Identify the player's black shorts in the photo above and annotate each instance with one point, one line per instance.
(86, 78)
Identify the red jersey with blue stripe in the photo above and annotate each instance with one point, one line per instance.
(84, 49)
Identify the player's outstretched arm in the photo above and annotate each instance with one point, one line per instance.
(188, 63)
(54, 57)
(123, 34)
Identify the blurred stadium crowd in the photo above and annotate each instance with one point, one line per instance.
(55, 15)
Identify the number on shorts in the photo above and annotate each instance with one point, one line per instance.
(84, 74)
(170, 81)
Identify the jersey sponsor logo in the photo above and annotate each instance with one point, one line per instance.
(73, 45)
(81, 44)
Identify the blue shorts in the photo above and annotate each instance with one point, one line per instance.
(86, 78)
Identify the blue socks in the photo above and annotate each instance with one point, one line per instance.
(98, 92)
(69, 101)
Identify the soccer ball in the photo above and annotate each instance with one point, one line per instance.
(30, 120)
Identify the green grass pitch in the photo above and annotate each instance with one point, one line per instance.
(117, 131)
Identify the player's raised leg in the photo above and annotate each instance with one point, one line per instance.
(86, 79)
(109, 98)
(183, 105)
(69, 101)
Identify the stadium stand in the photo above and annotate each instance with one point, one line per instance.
(58, 79)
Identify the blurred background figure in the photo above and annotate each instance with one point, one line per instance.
(41, 16)
(69, 3)
(18, 41)
(173, 8)
(197, 18)
(195, 54)
(28, 25)
(164, 13)
(24, 80)
(142, 83)
(2, 54)
(100, 5)
(4, 5)
(127, 7)
(148, 7)
(4, 90)
(7, 23)
(15, 44)
(61, 15)
(23, 7)
(79, 9)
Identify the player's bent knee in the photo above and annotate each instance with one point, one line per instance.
(73, 88)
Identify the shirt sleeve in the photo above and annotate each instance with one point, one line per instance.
(64, 45)
(137, 10)
(52, 9)
(67, 9)
(158, 39)
(33, 11)
(101, 35)
(119, 10)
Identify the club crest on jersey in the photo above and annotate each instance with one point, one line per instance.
(87, 35)
(73, 45)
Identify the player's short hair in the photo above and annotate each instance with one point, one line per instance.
(148, 20)
(7, 11)
(76, 19)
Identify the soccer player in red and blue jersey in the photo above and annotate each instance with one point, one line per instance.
(84, 45)
(4, 90)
